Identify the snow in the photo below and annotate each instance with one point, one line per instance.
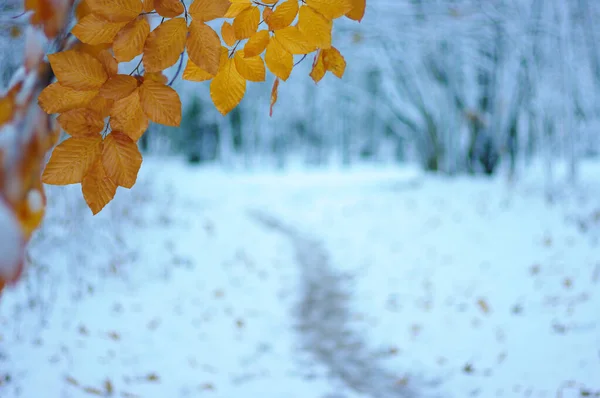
(201, 282)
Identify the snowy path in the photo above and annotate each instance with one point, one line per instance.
(432, 286)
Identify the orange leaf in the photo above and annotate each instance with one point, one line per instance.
(82, 10)
(315, 27)
(101, 104)
(279, 61)
(246, 23)
(228, 87)
(168, 8)
(118, 87)
(318, 68)
(331, 9)
(129, 42)
(204, 47)
(358, 10)
(94, 30)
(207, 10)
(127, 116)
(164, 45)
(294, 41)
(77, 70)
(116, 10)
(160, 103)
(7, 105)
(97, 187)
(71, 160)
(121, 159)
(274, 96)
(109, 63)
(81, 122)
(284, 15)
(252, 69)
(148, 5)
(236, 8)
(156, 76)
(228, 34)
(257, 43)
(57, 98)
(194, 73)
(334, 61)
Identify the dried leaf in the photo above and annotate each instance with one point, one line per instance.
(168, 8)
(334, 61)
(81, 122)
(118, 87)
(318, 68)
(116, 10)
(127, 116)
(160, 103)
(78, 70)
(71, 160)
(129, 42)
(164, 45)
(204, 47)
(274, 91)
(94, 30)
(98, 189)
(121, 159)
(207, 10)
(57, 98)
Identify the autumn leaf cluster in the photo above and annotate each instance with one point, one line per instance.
(106, 110)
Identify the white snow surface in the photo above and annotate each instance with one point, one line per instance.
(457, 287)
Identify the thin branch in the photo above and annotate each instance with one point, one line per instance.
(178, 68)
(301, 59)
(136, 67)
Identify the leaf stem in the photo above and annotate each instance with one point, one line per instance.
(178, 69)
(301, 59)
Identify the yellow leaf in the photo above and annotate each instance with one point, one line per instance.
(97, 187)
(109, 63)
(358, 10)
(57, 98)
(318, 68)
(246, 23)
(164, 45)
(274, 91)
(294, 41)
(204, 47)
(284, 15)
(127, 116)
(207, 10)
(116, 10)
(129, 42)
(279, 61)
(315, 27)
(156, 76)
(331, 9)
(71, 160)
(228, 34)
(121, 159)
(94, 30)
(252, 69)
(81, 122)
(334, 61)
(101, 104)
(160, 103)
(77, 70)
(257, 43)
(118, 87)
(168, 8)
(148, 5)
(194, 73)
(236, 8)
(228, 87)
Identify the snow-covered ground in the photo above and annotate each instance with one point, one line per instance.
(362, 283)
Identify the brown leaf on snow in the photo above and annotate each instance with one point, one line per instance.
(483, 305)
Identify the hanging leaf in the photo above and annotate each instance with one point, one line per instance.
(236, 8)
(318, 68)
(358, 10)
(331, 9)
(77, 70)
(246, 23)
(294, 41)
(315, 27)
(283, 15)
(116, 10)
(121, 159)
(160, 103)
(204, 47)
(194, 73)
(164, 45)
(156, 76)
(207, 10)
(101, 104)
(274, 91)
(128, 116)
(257, 43)
(129, 42)
(228, 34)
(94, 30)
(252, 69)
(228, 87)
(109, 63)
(81, 122)
(98, 189)
(334, 61)
(279, 61)
(71, 160)
(148, 5)
(118, 87)
(57, 98)
(168, 8)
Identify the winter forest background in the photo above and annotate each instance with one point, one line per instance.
(427, 226)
